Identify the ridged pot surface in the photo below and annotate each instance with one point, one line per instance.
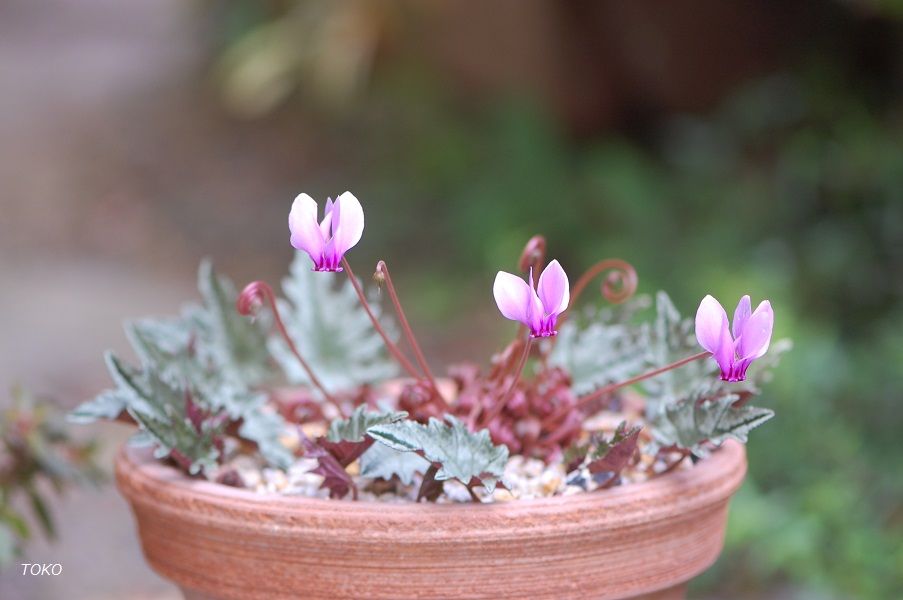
(220, 542)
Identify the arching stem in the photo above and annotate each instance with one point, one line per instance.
(383, 270)
(501, 402)
(249, 302)
(390, 345)
(588, 399)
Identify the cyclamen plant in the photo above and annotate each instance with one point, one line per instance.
(599, 395)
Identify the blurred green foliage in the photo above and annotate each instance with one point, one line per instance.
(37, 456)
(793, 191)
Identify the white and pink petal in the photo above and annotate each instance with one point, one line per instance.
(305, 231)
(711, 325)
(554, 289)
(348, 222)
(515, 298)
(755, 337)
(741, 315)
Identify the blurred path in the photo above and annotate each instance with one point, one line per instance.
(71, 233)
(65, 68)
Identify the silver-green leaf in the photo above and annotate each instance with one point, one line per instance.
(107, 405)
(382, 461)
(330, 328)
(265, 428)
(236, 343)
(695, 423)
(459, 453)
(602, 346)
(210, 354)
(354, 428)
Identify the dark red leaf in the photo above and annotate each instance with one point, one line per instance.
(335, 478)
(346, 452)
(430, 489)
(620, 451)
(231, 477)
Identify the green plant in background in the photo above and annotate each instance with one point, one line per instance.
(36, 453)
(320, 49)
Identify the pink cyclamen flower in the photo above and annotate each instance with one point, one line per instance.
(751, 334)
(536, 308)
(326, 241)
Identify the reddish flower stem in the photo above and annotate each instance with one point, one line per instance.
(605, 390)
(500, 404)
(383, 269)
(590, 398)
(250, 299)
(390, 345)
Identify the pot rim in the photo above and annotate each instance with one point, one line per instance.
(140, 475)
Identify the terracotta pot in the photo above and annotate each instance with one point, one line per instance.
(638, 541)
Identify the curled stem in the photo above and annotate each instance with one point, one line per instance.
(617, 287)
(249, 303)
(383, 271)
(390, 345)
(500, 404)
(588, 399)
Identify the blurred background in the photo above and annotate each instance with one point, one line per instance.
(721, 146)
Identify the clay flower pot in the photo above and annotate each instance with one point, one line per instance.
(638, 541)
